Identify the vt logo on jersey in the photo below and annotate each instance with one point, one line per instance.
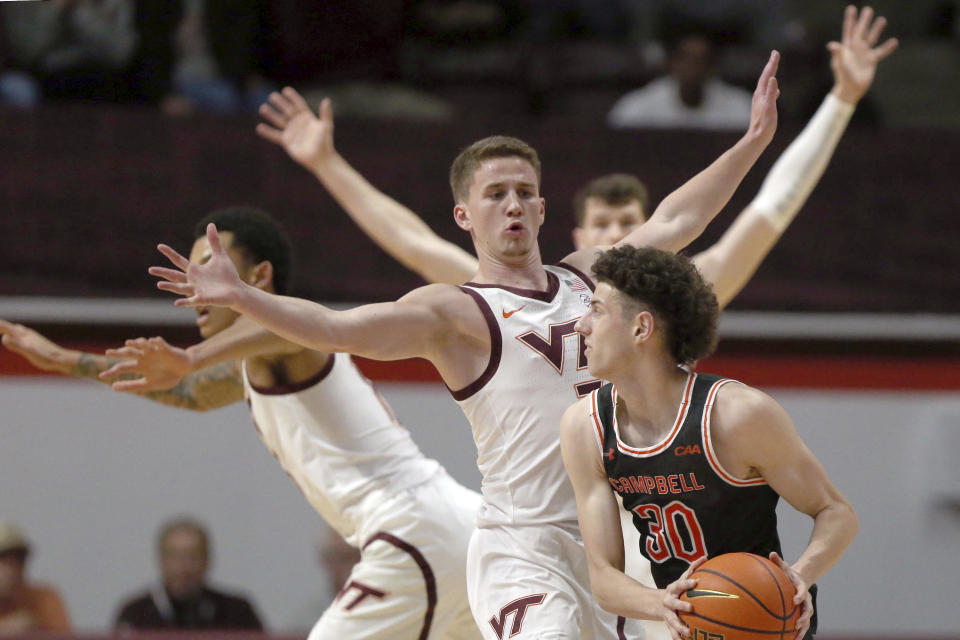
(552, 349)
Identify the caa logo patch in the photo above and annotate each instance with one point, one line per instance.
(687, 450)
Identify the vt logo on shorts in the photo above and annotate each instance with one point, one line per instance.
(362, 592)
(519, 609)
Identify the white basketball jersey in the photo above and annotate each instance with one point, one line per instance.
(339, 441)
(537, 369)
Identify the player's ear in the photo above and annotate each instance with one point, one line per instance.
(261, 276)
(643, 326)
(462, 217)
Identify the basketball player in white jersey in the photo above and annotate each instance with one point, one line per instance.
(610, 207)
(330, 430)
(505, 346)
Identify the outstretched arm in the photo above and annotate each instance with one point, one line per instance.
(308, 139)
(685, 213)
(424, 323)
(733, 260)
(158, 365)
(204, 390)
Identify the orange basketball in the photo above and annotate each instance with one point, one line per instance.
(741, 596)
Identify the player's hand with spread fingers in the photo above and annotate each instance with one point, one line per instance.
(215, 282)
(763, 107)
(801, 599)
(159, 365)
(673, 604)
(38, 350)
(291, 124)
(854, 59)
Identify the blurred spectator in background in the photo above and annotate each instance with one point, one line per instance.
(183, 600)
(551, 23)
(689, 96)
(25, 607)
(336, 559)
(66, 49)
(199, 55)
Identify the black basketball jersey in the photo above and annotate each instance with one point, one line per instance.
(684, 504)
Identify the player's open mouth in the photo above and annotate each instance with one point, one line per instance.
(516, 227)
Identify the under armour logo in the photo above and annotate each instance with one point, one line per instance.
(610, 453)
(519, 609)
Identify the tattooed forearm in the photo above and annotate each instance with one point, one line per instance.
(90, 366)
(209, 388)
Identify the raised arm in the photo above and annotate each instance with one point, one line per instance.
(598, 513)
(733, 260)
(685, 213)
(308, 139)
(204, 390)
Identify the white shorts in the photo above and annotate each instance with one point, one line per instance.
(532, 582)
(638, 567)
(410, 582)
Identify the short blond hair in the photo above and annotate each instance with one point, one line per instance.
(467, 163)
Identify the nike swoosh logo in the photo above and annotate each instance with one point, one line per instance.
(706, 593)
(507, 314)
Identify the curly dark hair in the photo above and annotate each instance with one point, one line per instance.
(671, 288)
(258, 235)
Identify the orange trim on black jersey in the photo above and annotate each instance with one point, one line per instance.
(595, 414)
(708, 444)
(663, 444)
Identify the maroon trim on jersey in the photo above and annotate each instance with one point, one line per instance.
(553, 285)
(295, 387)
(621, 625)
(496, 349)
(428, 577)
(587, 280)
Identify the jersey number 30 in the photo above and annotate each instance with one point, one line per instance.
(672, 531)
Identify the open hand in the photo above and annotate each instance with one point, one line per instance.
(38, 350)
(763, 107)
(854, 59)
(290, 124)
(214, 282)
(159, 365)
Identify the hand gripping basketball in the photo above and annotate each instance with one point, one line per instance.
(673, 604)
(742, 596)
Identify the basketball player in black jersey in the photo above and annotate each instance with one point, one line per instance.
(701, 461)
